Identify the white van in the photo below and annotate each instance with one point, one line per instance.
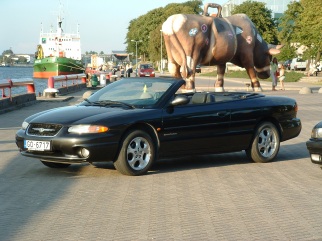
(298, 64)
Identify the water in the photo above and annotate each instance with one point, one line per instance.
(23, 74)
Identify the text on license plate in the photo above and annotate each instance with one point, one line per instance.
(37, 145)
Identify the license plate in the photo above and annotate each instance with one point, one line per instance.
(37, 145)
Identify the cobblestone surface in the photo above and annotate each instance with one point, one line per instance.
(213, 197)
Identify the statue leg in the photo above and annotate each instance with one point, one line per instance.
(219, 85)
(256, 86)
(174, 69)
(190, 84)
(254, 81)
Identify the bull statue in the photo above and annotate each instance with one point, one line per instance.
(192, 39)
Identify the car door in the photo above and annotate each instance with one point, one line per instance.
(197, 128)
(245, 115)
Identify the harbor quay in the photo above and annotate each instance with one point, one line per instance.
(210, 197)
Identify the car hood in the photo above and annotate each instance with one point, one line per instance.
(82, 115)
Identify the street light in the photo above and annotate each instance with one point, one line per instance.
(161, 67)
(136, 53)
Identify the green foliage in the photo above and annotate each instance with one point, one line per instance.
(6, 56)
(261, 17)
(302, 25)
(287, 22)
(91, 52)
(8, 51)
(287, 52)
(147, 28)
(22, 59)
(310, 23)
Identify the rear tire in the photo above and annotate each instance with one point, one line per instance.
(137, 153)
(55, 165)
(266, 143)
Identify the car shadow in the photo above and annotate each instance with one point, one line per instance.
(290, 152)
(199, 162)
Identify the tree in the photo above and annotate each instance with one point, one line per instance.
(261, 17)
(287, 52)
(6, 56)
(7, 52)
(309, 25)
(288, 30)
(287, 22)
(147, 28)
(22, 59)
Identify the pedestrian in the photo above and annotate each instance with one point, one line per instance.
(281, 77)
(122, 71)
(312, 70)
(127, 66)
(129, 71)
(274, 68)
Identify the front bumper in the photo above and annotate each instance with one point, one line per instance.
(69, 149)
(315, 149)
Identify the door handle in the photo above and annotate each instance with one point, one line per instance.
(222, 113)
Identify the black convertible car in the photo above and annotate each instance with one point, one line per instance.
(135, 121)
(314, 145)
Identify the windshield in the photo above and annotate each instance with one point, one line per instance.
(146, 66)
(136, 92)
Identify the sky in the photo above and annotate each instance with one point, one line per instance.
(102, 23)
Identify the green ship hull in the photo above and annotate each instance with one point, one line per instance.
(54, 66)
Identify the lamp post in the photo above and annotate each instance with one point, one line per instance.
(161, 67)
(136, 54)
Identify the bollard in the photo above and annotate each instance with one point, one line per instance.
(51, 82)
(50, 92)
(11, 84)
(30, 88)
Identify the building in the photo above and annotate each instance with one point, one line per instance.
(277, 6)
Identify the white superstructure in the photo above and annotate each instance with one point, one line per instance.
(60, 44)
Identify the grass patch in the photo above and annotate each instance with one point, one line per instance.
(290, 76)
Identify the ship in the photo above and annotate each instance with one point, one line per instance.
(58, 53)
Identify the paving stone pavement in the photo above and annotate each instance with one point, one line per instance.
(213, 197)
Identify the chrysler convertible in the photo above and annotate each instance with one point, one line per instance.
(314, 144)
(134, 122)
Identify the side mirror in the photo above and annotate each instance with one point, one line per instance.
(180, 100)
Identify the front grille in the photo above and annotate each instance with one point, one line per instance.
(43, 129)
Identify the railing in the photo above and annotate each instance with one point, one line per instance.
(12, 83)
(7, 85)
(64, 78)
(51, 92)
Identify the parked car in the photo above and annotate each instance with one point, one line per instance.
(146, 70)
(287, 64)
(135, 121)
(314, 144)
(198, 69)
(298, 64)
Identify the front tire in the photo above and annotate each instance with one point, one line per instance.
(266, 143)
(137, 153)
(54, 164)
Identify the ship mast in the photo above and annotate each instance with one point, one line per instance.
(59, 21)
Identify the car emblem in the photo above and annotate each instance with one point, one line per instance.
(41, 130)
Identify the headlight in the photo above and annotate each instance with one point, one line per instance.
(81, 129)
(316, 133)
(24, 125)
